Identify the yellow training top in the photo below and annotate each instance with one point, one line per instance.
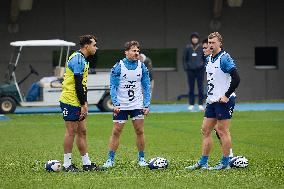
(76, 65)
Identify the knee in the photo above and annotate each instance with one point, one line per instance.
(205, 132)
(82, 132)
(222, 132)
(139, 131)
(70, 133)
(116, 132)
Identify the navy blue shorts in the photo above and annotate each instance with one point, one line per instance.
(69, 112)
(123, 114)
(220, 111)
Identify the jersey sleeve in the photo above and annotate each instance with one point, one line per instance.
(114, 83)
(145, 81)
(206, 60)
(227, 63)
(77, 64)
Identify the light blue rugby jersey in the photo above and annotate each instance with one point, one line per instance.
(77, 64)
(145, 81)
(227, 64)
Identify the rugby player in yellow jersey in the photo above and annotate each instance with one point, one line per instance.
(73, 103)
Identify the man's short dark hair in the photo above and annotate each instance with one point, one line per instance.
(86, 40)
(205, 41)
(129, 44)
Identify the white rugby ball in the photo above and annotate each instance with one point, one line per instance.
(52, 166)
(158, 163)
(239, 162)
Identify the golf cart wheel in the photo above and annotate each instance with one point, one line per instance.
(105, 105)
(7, 105)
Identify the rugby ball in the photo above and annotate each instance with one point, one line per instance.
(52, 166)
(158, 163)
(239, 162)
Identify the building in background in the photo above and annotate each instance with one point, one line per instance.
(161, 24)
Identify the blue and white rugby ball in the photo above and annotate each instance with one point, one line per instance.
(158, 163)
(52, 166)
(239, 162)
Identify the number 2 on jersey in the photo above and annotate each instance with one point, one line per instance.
(210, 87)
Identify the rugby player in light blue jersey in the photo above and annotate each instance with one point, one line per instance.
(206, 53)
(130, 92)
(223, 79)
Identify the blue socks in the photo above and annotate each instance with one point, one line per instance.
(141, 154)
(225, 160)
(111, 155)
(203, 160)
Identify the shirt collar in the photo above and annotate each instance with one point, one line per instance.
(214, 58)
(81, 53)
(129, 61)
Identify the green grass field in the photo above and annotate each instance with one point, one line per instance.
(27, 141)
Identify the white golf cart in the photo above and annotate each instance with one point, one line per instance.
(50, 88)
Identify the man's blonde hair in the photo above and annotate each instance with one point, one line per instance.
(215, 34)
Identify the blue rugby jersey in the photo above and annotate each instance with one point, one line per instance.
(115, 79)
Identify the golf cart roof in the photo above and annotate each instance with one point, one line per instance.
(34, 43)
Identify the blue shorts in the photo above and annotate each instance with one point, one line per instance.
(220, 111)
(69, 112)
(123, 115)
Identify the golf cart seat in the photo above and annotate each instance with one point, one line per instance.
(51, 82)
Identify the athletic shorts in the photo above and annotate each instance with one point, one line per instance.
(122, 116)
(220, 111)
(69, 112)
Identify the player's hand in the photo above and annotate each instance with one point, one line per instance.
(116, 110)
(224, 99)
(84, 112)
(146, 111)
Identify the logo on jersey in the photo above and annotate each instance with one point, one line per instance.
(131, 85)
(231, 111)
(65, 112)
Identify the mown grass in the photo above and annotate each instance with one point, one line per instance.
(27, 141)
